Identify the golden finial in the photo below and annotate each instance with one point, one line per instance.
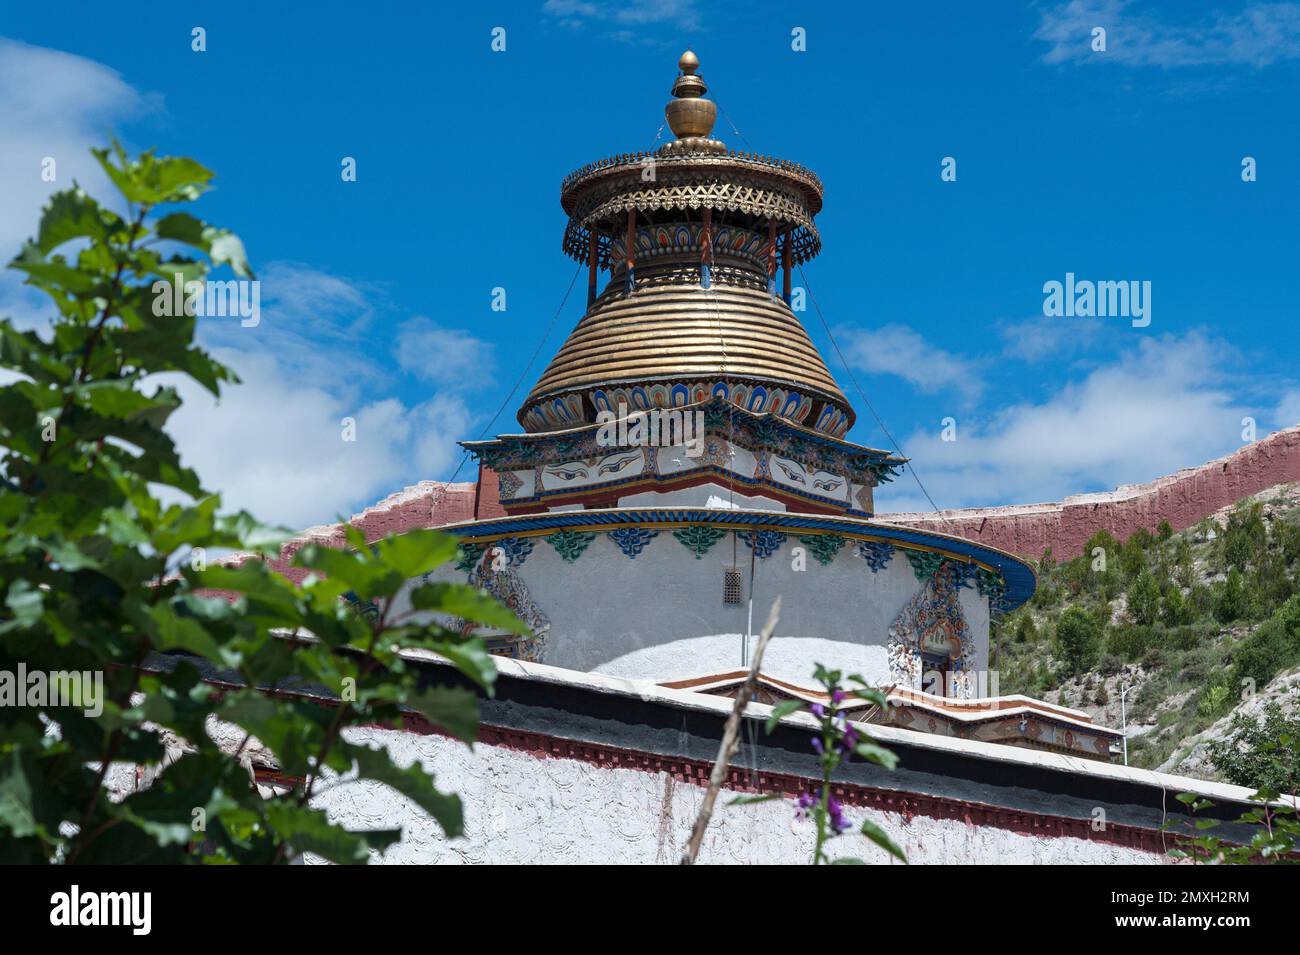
(690, 115)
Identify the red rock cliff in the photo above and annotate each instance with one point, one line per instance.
(1182, 499)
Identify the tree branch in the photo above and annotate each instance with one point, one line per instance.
(730, 738)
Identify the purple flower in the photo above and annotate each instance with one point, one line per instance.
(838, 697)
(817, 745)
(836, 813)
(804, 806)
(817, 710)
(848, 740)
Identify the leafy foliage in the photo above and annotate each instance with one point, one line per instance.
(836, 742)
(1274, 823)
(1078, 636)
(1257, 753)
(1223, 623)
(102, 578)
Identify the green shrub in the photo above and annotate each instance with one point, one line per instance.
(1245, 537)
(1213, 700)
(1230, 602)
(1274, 646)
(1128, 642)
(1078, 639)
(102, 532)
(1144, 598)
(1185, 637)
(1153, 659)
(1132, 557)
(1175, 611)
(1201, 599)
(1026, 630)
(1262, 754)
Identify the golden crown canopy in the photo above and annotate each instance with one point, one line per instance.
(696, 314)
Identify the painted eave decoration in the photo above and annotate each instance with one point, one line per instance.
(1016, 575)
(756, 431)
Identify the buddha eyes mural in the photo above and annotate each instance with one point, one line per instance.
(793, 473)
(577, 473)
(792, 470)
(616, 462)
(567, 472)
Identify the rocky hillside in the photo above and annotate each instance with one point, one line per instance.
(1203, 625)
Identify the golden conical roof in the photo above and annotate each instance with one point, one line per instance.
(680, 333)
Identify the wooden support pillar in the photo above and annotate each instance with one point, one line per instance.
(706, 250)
(593, 260)
(771, 259)
(631, 251)
(786, 257)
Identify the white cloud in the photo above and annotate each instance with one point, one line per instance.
(1288, 409)
(1042, 338)
(274, 444)
(447, 357)
(1257, 35)
(52, 105)
(897, 350)
(313, 324)
(1169, 404)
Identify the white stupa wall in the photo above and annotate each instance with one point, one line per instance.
(660, 616)
(520, 808)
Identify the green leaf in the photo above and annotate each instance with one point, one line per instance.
(309, 830)
(471, 658)
(455, 709)
(26, 602)
(186, 633)
(252, 534)
(416, 552)
(461, 600)
(881, 838)
(781, 710)
(366, 578)
(73, 214)
(875, 753)
(151, 180)
(16, 796)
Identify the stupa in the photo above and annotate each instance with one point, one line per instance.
(683, 462)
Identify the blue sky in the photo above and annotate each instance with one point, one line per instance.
(1115, 165)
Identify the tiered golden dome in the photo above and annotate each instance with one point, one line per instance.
(699, 319)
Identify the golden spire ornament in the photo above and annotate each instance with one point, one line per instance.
(690, 116)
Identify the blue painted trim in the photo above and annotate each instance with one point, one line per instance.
(1019, 576)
